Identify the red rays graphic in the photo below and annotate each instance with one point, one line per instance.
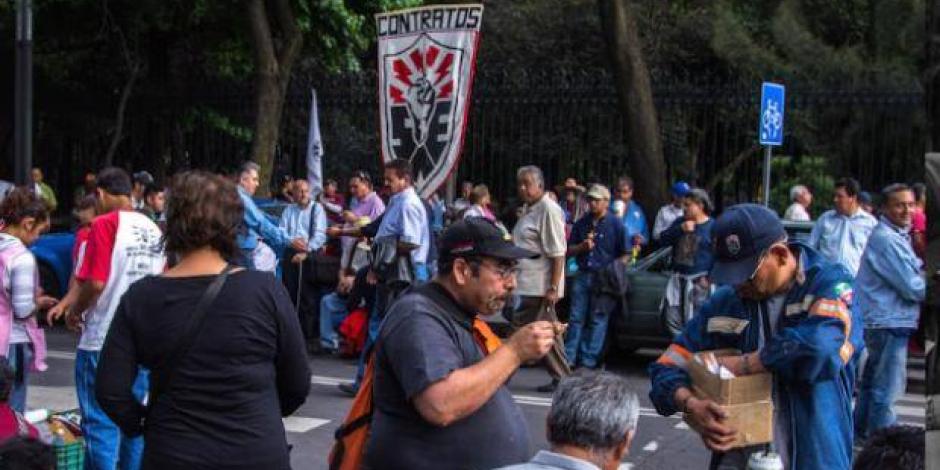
(419, 64)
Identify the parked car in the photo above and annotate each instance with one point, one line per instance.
(53, 252)
(643, 322)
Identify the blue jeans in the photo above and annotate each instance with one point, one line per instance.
(422, 275)
(106, 448)
(20, 357)
(332, 312)
(884, 379)
(587, 326)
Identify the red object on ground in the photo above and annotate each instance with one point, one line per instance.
(352, 332)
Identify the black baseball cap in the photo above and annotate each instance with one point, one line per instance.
(477, 236)
(741, 235)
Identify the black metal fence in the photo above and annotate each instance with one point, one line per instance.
(568, 123)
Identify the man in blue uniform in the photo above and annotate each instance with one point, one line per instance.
(787, 309)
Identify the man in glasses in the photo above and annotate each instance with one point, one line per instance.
(439, 393)
(787, 308)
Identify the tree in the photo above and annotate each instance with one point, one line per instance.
(632, 81)
(276, 45)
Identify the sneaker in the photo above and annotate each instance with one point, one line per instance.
(348, 389)
(548, 388)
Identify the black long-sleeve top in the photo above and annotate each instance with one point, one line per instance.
(247, 368)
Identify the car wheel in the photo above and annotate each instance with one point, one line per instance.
(48, 281)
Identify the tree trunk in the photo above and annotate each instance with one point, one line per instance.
(273, 62)
(118, 135)
(635, 93)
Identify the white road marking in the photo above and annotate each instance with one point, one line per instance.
(681, 425)
(625, 466)
(653, 446)
(301, 424)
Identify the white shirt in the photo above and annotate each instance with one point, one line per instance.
(541, 229)
(666, 216)
(796, 212)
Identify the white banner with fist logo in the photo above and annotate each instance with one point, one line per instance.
(426, 63)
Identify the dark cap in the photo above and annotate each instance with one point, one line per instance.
(741, 235)
(477, 236)
(143, 177)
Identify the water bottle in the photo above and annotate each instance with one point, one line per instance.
(634, 253)
(765, 460)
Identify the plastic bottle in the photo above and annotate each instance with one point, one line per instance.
(634, 253)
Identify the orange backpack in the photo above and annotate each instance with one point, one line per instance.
(349, 450)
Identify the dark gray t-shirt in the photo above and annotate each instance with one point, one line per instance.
(425, 337)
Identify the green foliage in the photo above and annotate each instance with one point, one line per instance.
(215, 120)
(810, 171)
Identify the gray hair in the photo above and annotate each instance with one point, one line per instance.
(700, 196)
(248, 166)
(533, 171)
(797, 190)
(593, 411)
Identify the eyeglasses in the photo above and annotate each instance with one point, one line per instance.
(503, 271)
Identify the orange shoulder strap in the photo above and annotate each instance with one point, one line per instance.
(484, 336)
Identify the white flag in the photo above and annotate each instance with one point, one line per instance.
(314, 149)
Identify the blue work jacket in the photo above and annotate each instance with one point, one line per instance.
(813, 357)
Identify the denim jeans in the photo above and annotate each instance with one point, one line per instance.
(20, 357)
(587, 326)
(106, 448)
(384, 299)
(332, 312)
(884, 379)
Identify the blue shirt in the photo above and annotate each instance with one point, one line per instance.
(608, 241)
(693, 258)
(406, 218)
(634, 223)
(889, 284)
(295, 220)
(843, 238)
(258, 226)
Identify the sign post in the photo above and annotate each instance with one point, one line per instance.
(770, 126)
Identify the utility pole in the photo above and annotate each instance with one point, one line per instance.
(23, 94)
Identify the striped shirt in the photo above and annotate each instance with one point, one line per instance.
(20, 283)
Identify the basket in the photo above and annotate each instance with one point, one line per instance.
(70, 456)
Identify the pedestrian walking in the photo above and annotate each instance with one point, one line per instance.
(541, 229)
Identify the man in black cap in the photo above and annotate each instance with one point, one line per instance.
(787, 309)
(440, 398)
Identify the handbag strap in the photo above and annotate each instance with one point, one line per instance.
(161, 382)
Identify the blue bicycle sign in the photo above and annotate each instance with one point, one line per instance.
(771, 113)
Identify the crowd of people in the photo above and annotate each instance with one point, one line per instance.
(402, 283)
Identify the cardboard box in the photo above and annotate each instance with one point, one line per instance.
(747, 400)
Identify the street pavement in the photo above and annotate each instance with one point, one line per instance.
(661, 442)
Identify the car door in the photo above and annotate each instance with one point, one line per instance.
(641, 324)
